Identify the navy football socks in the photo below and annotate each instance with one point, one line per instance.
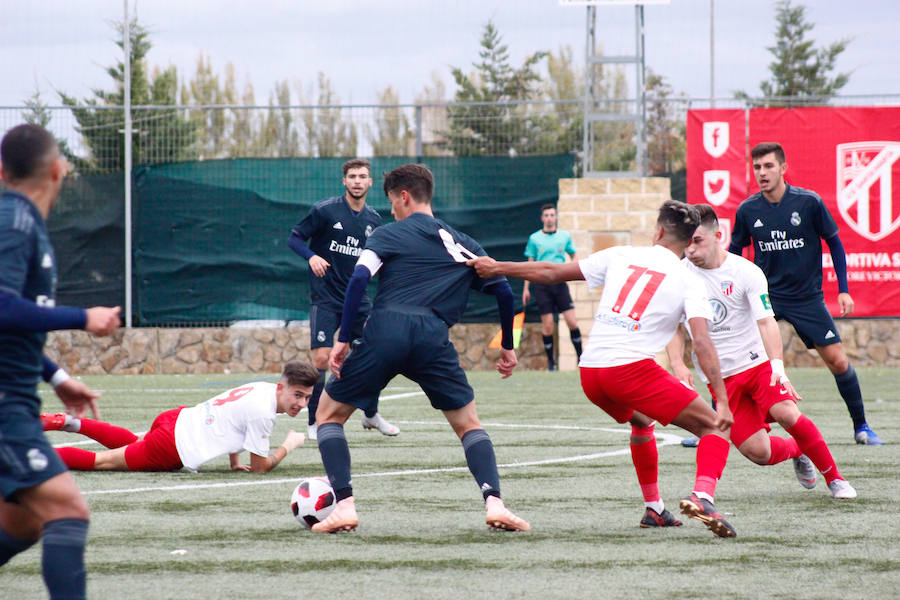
(848, 386)
(482, 461)
(314, 399)
(62, 561)
(336, 458)
(10, 546)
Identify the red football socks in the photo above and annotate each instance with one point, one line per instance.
(111, 436)
(77, 459)
(645, 457)
(813, 445)
(712, 454)
(782, 449)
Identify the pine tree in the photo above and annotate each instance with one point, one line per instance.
(493, 128)
(800, 72)
(163, 134)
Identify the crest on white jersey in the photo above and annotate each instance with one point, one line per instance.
(727, 287)
(715, 138)
(866, 196)
(716, 186)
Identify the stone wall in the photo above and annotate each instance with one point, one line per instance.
(241, 350)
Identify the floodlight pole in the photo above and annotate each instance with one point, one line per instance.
(126, 32)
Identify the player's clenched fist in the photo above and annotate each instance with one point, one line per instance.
(102, 320)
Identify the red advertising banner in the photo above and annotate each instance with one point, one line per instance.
(716, 163)
(851, 158)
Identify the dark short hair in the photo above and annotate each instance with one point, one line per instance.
(300, 372)
(548, 206)
(679, 220)
(25, 150)
(708, 216)
(414, 178)
(356, 163)
(764, 148)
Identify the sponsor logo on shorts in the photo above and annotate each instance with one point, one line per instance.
(37, 460)
(829, 335)
(320, 336)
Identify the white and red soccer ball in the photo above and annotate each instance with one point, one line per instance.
(312, 501)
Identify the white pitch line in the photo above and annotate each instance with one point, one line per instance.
(667, 439)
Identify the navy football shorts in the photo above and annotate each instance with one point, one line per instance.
(323, 324)
(26, 457)
(416, 346)
(810, 319)
(552, 298)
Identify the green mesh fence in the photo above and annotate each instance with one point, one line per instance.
(209, 236)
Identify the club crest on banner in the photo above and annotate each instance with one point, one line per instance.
(715, 138)
(866, 196)
(716, 186)
(727, 287)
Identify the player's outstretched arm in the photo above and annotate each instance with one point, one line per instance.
(102, 320)
(709, 362)
(771, 338)
(675, 353)
(264, 464)
(537, 272)
(74, 394)
(235, 460)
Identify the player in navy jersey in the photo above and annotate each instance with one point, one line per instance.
(785, 225)
(550, 244)
(423, 287)
(39, 497)
(331, 237)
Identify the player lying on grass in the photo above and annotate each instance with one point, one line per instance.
(646, 293)
(746, 336)
(239, 419)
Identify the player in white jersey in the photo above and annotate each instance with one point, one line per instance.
(749, 345)
(236, 420)
(646, 293)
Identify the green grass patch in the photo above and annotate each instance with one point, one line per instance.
(422, 530)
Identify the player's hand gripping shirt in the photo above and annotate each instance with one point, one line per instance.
(424, 265)
(646, 293)
(739, 297)
(240, 419)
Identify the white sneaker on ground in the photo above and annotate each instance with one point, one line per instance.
(841, 490)
(312, 432)
(805, 471)
(378, 422)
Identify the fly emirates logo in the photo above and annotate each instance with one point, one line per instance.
(351, 247)
(780, 241)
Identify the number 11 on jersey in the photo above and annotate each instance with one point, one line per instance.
(651, 284)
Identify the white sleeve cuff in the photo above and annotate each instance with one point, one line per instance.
(59, 377)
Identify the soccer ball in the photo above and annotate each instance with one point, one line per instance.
(312, 501)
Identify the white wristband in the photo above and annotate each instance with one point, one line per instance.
(59, 377)
(778, 367)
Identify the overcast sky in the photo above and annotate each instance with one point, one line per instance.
(364, 46)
